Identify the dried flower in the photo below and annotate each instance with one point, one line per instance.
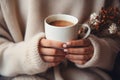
(93, 16)
(93, 19)
(107, 19)
(113, 28)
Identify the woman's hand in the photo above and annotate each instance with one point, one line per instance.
(79, 51)
(51, 51)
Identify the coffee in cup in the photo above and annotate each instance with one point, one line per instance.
(61, 23)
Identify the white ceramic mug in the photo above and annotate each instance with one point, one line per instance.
(66, 33)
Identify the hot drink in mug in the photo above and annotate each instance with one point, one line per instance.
(63, 27)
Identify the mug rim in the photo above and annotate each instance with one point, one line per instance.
(54, 15)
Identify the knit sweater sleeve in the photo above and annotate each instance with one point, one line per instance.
(104, 53)
(21, 58)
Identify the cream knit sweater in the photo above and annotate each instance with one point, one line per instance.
(21, 28)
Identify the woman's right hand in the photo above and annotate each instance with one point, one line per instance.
(51, 51)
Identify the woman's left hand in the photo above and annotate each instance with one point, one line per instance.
(79, 51)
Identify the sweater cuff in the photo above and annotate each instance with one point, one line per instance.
(103, 55)
(33, 61)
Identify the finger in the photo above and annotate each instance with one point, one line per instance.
(76, 43)
(51, 52)
(81, 42)
(54, 64)
(80, 62)
(82, 50)
(52, 59)
(50, 43)
(78, 57)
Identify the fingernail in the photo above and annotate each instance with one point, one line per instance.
(68, 43)
(64, 45)
(65, 50)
